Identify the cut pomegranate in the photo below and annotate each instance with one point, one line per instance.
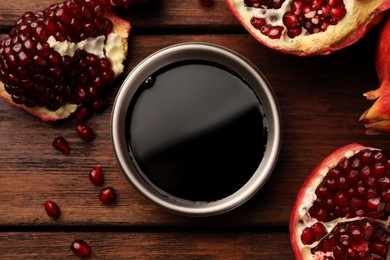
(80, 248)
(52, 209)
(107, 195)
(61, 144)
(96, 176)
(342, 210)
(377, 118)
(59, 58)
(308, 27)
(85, 132)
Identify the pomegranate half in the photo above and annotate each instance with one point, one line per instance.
(342, 210)
(56, 59)
(308, 27)
(376, 119)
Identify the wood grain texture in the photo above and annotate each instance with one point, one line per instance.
(148, 245)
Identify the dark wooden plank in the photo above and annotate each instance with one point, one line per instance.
(320, 99)
(148, 245)
(174, 14)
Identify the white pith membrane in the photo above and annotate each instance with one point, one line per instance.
(348, 30)
(111, 47)
(303, 219)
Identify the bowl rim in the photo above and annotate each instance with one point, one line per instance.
(208, 52)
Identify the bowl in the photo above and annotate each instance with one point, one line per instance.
(192, 147)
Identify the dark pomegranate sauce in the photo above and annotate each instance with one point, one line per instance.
(196, 131)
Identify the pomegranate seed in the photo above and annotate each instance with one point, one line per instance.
(27, 54)
(85, 132)
(206, 3)
(319, 231)
(80, 248)
(83, 114)
(372, 236)
(265, 29)
(107, 195)
(275, 32)
(338, 12)
(61, 144)
(96, 176)
(257, 22)
(99, 105)
(52, 209)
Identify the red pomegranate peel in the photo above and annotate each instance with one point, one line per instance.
(376, 118)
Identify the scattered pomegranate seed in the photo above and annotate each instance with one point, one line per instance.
(96, 176)
(99, 105)
(52, 209)
(61, 144)
(85, 132)
(356, 186)
(304, 16)
(84, 113)
(80, 248)
(107, 195)
(206, 3)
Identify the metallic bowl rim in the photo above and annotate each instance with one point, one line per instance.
(208, 52)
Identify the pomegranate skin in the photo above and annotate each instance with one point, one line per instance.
(315, 235)
(376, 118)
(290, 36)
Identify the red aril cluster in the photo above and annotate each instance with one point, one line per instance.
(35, 74)
(343, 209)
(128, 3)
(61, 144)
(308, 27)
(359, 239)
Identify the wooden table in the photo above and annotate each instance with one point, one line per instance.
(320, 100)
